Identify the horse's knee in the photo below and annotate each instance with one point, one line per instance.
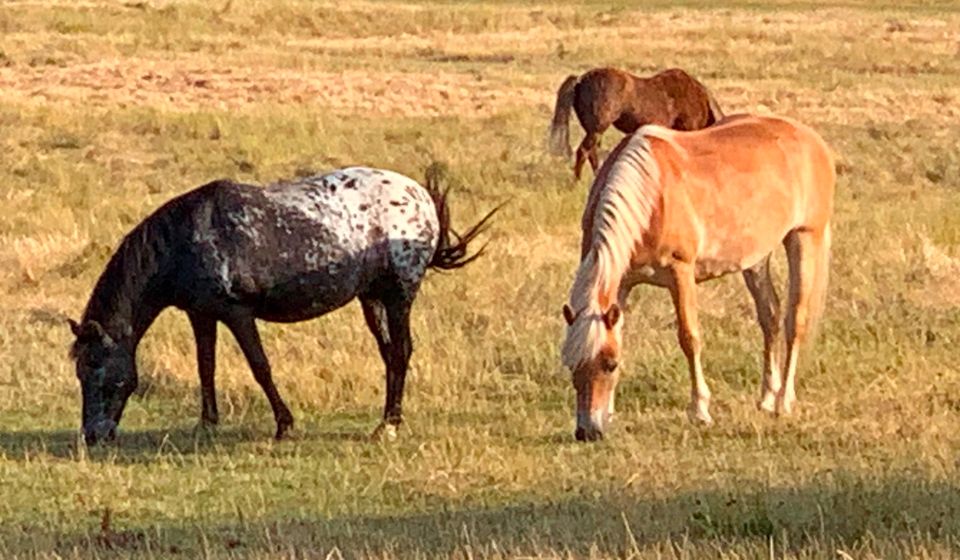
(589, 142)
(690, 342)
(796, 328)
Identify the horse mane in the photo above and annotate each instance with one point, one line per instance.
(136, 264)
(628, 198)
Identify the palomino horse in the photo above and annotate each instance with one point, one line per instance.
(675, 208)
(608, 96)
(289, 252)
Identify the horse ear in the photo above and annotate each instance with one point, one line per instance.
(74, 327)
(612, 315)
(94, 330)
(568, 314)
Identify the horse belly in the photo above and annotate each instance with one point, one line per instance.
(742, 220)
(743, 248)
(301, 273)
(307, 294)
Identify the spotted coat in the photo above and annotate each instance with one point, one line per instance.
(298, 249)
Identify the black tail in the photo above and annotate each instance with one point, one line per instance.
(452, 248)
(558, 140)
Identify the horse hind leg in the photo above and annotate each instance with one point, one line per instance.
(806, 256)
(587, 151)
(594, 158)
(388, 318)
(760, 284)
(244, 329)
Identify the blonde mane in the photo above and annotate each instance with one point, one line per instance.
(628, 199)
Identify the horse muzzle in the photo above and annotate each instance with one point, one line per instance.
(100, 431)
(590, 426)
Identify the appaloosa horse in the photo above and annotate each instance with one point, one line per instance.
(608, 96)
(287, 252)
(672, 209)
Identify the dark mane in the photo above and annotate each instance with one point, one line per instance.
(138, 264)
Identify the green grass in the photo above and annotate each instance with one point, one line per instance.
(486, 465)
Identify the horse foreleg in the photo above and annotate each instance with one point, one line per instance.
(205, 333)
(803, 251)
(760, 283)
(683, 289)
(390, 324)
(244, 329)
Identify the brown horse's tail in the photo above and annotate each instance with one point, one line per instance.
(451, 250)
(558, 141)
(716, 113)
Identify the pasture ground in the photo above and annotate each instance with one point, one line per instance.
(107, 109)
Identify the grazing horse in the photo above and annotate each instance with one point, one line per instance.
(672, 209)
(287, 252)
(608, 96)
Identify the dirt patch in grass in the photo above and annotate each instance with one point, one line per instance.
(195, 84)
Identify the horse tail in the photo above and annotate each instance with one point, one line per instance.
(558, 141)
(451, 250)
(716, 113)
(821, 276)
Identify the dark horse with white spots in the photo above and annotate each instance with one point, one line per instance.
(608, 96)
(287, 252)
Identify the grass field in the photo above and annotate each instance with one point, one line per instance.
(107, 109)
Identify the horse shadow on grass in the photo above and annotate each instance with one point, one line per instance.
(145, 446)
(130, 447)
(862, 515)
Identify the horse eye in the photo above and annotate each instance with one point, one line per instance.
(609, 364)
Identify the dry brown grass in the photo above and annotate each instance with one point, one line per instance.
(108, 109)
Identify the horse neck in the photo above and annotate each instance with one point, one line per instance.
(627, 200)
(598, 281)
(130, 293)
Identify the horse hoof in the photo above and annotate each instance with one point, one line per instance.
(205, 427)
(768, 403)
(699, 415)
(384, 431)
(785, 407)
(283, 431)
(390, 433)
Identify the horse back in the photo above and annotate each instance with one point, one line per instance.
(689, 99)
(732, 192)
(299, 249)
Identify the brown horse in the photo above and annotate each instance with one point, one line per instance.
(608, 96)
(672, 209)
